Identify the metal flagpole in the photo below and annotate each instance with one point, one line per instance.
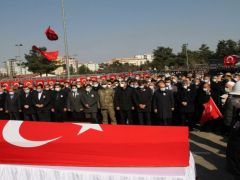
(65, 40)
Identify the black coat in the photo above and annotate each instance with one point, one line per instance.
(27, 100)
(91, 98)
(186, 95)
(59, 100)
(124, 98)
(143, 96)
(2, 101)
(74, 104)
(163, 101)
(45, 100)
(12, 104)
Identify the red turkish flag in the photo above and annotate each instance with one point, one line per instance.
(230, 60)
(39, 82)
(51, 34)
(103, 78)
(113, 76)
(79, 144)
(48, 55)
(27, 82)
(15, 83)
(210, 112)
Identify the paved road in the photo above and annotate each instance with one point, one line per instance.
(209, 154)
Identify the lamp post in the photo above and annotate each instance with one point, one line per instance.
(65, 40)
(18, 49)
(186, 51)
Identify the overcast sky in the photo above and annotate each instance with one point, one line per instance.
(99, 30)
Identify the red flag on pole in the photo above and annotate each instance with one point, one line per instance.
(210, 112)
(48, 55)
(79, 144)
(51, 34)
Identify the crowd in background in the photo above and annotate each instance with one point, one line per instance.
(157, 99)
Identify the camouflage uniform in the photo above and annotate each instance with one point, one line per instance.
(106, 96)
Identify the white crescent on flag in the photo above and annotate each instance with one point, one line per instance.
(11, 134)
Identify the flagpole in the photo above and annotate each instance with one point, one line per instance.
(65, 40)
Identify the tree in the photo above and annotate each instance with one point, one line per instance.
(163, 56)
(84, 70)
(38, 64)
(204, 53)
(226, 47)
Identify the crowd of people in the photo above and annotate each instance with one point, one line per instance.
(157, 99)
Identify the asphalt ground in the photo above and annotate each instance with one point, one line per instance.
(209, 151)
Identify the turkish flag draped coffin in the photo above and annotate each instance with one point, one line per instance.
(78, 144)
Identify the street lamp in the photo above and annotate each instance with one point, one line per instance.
(18, 49)
(65, 40)
(186, 51)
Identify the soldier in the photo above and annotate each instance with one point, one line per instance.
(29, 112)
(90, 103)
(163, 104)
(106, 98)
(12, 104)
(74, 104)
(42, 103)
(59, 107)
(124, 103)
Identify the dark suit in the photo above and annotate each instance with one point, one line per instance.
(3, 115)
(124, 100)
(13, 106)
(186, 111)
(91, 98)
(29, 112)
(144, 97)
(43, 113)
(59, 106)
(163, 101)
(74, 104)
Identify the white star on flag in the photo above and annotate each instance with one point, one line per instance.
(85, 127)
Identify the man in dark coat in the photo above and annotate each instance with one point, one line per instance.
(90, 102)
(186, 104)
(74, 104)
(59, 104)
(123, 101)
(163, 104)
(143, 100)
(3, 114)
(42, 103)
(12, 104)
(29, 112)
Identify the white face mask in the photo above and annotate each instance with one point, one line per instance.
(95, 85)
(168, 84)
(185, 86)
(162, 89)
(205, 89)
(57, 89)
(151, 87)
(121, 85)
(1, 92)
(11, 93)
(27, 91)
(88, 89)
(78, 86)
(104, 85)
(136, 86)
(109, 86)
(74, 90)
